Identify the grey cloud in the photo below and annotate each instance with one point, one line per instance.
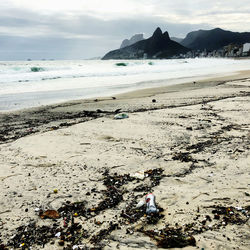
(89, 25)
(62, 34)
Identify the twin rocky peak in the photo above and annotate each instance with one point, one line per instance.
(158, 46)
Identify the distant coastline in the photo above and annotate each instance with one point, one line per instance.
(202, 43)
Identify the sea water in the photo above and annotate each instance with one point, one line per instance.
(25, 84)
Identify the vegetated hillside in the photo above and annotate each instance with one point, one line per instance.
(213, 39)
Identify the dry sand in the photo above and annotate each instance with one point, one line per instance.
(197, 133)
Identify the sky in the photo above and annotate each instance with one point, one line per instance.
(80, 29)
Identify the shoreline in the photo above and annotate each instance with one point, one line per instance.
(73, 89)
(190, 148)
(144, 92)
(64, 114)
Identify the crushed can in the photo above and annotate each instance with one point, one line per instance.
(150, 203)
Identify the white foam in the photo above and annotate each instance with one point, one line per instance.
(96, 77)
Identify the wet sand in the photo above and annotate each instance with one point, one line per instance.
(190, 147)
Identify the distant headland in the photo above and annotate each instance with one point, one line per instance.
(202, 43)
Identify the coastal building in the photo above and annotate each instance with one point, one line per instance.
(231, 50)
(246, 49)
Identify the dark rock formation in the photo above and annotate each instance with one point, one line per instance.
(213, 39)
(134, 39)
(157, 46)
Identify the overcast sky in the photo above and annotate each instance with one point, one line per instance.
(78, 29)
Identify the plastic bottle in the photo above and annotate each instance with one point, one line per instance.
(150, 202)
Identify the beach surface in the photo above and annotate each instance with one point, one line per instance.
(188, 144)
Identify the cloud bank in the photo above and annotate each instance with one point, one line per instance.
(79, 29)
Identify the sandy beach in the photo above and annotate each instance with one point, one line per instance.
(188, 144)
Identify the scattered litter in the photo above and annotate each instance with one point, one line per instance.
(51, 214)
(138, 175)
(140, 204)
(171, 237)
(231, 215)
(150, 202)
(78, 247)
(121, 116)
(238, 208)
(183, 157)
(58, 235)
(61, 242)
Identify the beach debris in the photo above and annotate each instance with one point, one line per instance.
(132, 213)
(153, 100)
(65, 224)
(50, 214)
(200, 146)
(58, 235)
(170, 237)
(183, 157)
(99, 111)
(112, 196)
(118, 110)
(155, 176)
(135, 212)
(71, 233)
(102, 233)
(139, 175)
(140, 203)
(3, 247)
(61, 242)
(55, 191)
(31, 234)
(78, 247)
(142, 188)
(116, 180)
(150, 203)
(231, 215)
(121, 116)
(73, 208)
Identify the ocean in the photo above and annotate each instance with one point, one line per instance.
(25, 84)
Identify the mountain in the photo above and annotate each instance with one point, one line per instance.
(158, 45)
(176, 39)
(213, 39)
(134, 39)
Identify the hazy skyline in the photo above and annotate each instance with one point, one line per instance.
(79, 29)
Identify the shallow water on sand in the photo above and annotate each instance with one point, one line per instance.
(25, 84)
